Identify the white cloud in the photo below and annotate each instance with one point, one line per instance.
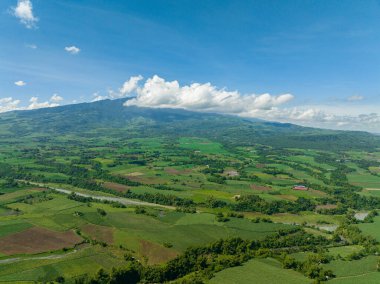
(72, 49)
(8, 104)
(34, 104)
(24, 12)
(131, 85)
(56, 98)
(31, 46)
(20, 83)
(316, 117)
(355, 98)
(158, 93)
(98, 97)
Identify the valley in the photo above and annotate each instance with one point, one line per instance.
(151, 198)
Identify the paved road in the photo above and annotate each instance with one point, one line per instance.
(17, 259)
(122, 200)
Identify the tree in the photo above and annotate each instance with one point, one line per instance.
(289, 262)
(128, 275)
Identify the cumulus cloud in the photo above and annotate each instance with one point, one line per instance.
(159, 93)
(131, 85)
(35, 104)
(156, 92)
(56, 98)
(355, 98)
(98, 97)
(8, 104)
(24, 12)
(72, 49)
(315, 117)
(20, 83)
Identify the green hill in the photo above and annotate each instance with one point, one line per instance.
(109, 118)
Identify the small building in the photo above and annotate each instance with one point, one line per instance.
(300, 187)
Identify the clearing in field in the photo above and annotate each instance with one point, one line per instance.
(260, 187)
(155, 253)
(99, 233)
(116, 186)
(37, 240)
(326, 206)
(134, 174)
(173, 171)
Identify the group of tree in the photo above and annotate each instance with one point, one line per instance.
(200, 263)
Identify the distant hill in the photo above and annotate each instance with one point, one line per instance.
(110, 118)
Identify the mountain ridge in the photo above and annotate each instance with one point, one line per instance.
(98, 118)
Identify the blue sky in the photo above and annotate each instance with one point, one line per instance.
(317, 62)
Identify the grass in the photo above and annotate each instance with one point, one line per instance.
(344, 251)
(178, 164)
(203, 145)
(86, 261)
(13, 226)
(353, 269)
(259, 271)
(372, 229)
(366, 278)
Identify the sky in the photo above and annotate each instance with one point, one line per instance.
(313, 63)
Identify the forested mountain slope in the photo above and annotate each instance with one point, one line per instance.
(109, 118)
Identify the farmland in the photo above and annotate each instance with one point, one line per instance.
(144, 198)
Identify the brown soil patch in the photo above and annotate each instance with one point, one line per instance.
(327, 206)
(155, 253)
(176, 172)
(116, 186)
(260, 166)
(260, 187)
(39, 188)
(37, 240)
(134, 174)
(317, 192)
(287, 197)
(231, 173)
(99, 233)
(146, 180)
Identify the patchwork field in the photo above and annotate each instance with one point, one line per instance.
(37, 240)
(197, 205)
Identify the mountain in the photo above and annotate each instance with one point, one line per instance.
(109, 118)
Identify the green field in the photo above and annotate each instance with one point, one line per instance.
(372, 229)
(161, 188)
(260, 271)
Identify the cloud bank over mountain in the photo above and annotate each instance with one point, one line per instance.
(156, 92)
(159, 93)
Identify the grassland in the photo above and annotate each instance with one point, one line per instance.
(46, 222)
(199, 175)
(372, 229)
(260, 271)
